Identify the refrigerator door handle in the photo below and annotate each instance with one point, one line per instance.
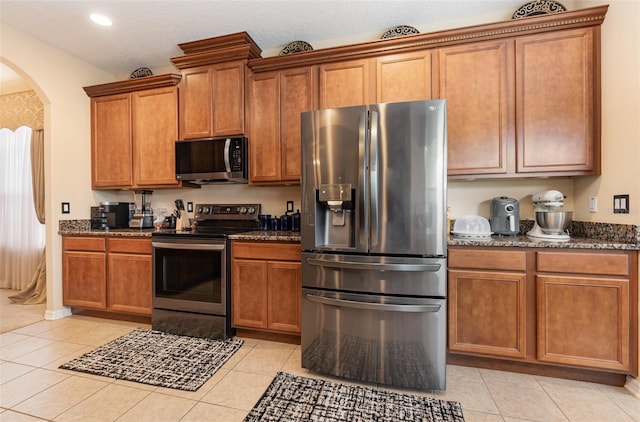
(373, 266)
(373, 178)
(372, 306)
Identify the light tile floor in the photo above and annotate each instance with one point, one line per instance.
(32, 388)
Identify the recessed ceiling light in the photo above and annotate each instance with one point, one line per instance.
(101, 19)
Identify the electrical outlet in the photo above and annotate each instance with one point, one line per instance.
(189, 206)
(66, 208)
(289, 206)
(593, 204)
(621, 204)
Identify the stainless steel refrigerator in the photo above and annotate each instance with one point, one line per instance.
(373, 232)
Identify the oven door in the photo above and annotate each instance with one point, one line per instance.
(191, 275)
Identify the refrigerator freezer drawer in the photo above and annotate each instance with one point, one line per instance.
(376, 274)
(395, 341)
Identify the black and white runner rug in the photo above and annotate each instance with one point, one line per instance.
(295, 398)
(157, 358)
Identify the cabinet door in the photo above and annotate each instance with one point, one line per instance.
(228, 98)
(298, 94)
(345, 84)
(129, 283)
(196, 106)
(249, 294)
(555, 87)
(111, 149)
(264, 143)
(487, 313)
(284, 292)
(583, 321)
(475, 81)
(155, 130)
(83, 279)
(404, 77)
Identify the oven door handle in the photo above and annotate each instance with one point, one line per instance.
(189, 246)
(372, 306)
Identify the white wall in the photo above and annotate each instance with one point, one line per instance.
(58, 79)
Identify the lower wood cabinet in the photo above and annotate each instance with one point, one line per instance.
(569, 308)
(266, 286)
(103, 273)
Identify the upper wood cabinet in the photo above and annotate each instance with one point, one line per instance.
(477, 84)
(403, 77)
(523, 107)
(134, 125)
(557, 100)
(345, 84)
(212, 100)
(212, 90)
(276, 100)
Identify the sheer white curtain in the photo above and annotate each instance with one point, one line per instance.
(22, 237)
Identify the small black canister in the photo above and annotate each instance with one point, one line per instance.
(295, 221)
(285, 222)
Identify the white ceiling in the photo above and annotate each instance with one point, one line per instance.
(146, 32)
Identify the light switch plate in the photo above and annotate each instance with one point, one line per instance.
(593, 204)
(66, 208)
(621, 204)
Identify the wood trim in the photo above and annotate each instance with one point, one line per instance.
(514, 27)
(243, 52)
(216, 43)
(121, 87)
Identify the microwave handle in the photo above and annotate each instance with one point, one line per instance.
(227, 147)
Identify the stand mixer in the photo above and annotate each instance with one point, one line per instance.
(550, 224)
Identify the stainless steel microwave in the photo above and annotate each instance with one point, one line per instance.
(213, 160)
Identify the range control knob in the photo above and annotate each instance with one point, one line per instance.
(252, 210)
(206, 210)
(199, 210)
(243, 210)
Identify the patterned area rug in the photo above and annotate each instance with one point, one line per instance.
(157, 358)
(295, 398)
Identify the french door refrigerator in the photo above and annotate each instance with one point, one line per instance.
(373, 233)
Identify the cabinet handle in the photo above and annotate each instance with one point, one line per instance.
(371, 306)
(373, 266)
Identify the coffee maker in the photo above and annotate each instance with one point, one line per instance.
(505, 216)
(143, 213)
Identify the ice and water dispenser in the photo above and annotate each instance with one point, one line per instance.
(335, 216)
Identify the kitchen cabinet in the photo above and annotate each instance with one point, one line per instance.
(523, 106)
(276, 100)
(558, 102)
(545, 307)
(488, 302)
(345, 84)
(106, 273)
(129, 270)
(523, 95)
(133, 130)
(584, 303)
(403, 77)
(84, 272)
(212, 100)
(266, 286)
(476, 82)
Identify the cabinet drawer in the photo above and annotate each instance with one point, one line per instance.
(583, 263)
(129, 245)
(487, 259)
(96, 244)
(267, 251)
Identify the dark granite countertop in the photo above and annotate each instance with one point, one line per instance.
(587, 236)
(523, 241)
